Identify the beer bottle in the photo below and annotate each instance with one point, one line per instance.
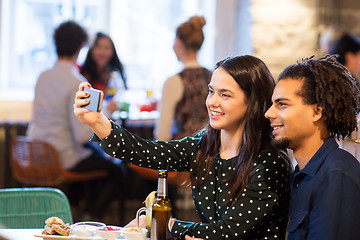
(161, 210)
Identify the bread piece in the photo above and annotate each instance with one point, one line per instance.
(63, 229)
(54, 220)
(49, 230)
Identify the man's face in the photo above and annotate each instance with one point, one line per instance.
(292, 121)
(353, 62)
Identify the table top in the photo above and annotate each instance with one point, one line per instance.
(29, 234)
(20, 234)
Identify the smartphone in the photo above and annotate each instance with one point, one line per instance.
(95, 97)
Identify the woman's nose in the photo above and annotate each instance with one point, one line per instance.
(212, 100)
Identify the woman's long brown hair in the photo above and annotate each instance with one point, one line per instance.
(255, 80)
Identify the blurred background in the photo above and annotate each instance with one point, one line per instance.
(279, 32)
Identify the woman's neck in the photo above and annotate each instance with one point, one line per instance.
(189, 57)
(229, 143)
(101, 69)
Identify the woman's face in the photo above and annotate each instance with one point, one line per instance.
(226, 102)
(102, 52)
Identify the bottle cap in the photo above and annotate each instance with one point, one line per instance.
(163, 173)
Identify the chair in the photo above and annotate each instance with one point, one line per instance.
(30, 207)
(37, 163)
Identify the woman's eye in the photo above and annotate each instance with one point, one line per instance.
(211, 91)
(225, 95)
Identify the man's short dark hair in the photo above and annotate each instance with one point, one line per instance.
(346, 43)
(329, 85)
(68, 37)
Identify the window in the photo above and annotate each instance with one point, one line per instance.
(142, 30)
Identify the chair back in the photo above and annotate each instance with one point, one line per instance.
(35, 162)
(30, 207)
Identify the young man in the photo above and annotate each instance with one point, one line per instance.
(314, 102)
(54, 121)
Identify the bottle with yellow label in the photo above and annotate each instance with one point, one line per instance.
(161, 210)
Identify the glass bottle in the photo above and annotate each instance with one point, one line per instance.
(161, 210)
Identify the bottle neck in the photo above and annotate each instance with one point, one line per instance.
(162, 190)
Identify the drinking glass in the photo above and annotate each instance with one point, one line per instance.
(148, 212)
(86, 229)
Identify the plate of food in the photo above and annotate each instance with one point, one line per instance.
(55, 228)
(51, 237)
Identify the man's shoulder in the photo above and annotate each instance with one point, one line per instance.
(339, 157)
(65, 74)
(342, 160)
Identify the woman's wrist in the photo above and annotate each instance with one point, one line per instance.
(102, 127)
(171, 223)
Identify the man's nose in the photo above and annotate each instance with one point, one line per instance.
(270, 113)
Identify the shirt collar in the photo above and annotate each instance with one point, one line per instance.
(316, 161)
(65, 64)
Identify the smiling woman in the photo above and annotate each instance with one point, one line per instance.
(226, 102)
(239, 180)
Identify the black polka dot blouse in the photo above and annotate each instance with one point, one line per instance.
(259, 213)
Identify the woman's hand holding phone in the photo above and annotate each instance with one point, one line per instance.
(96, 120)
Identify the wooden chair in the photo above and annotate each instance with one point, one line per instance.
(37, 163)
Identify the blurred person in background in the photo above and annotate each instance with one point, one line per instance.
(54, 121)
(182, 109)
(328, 37)
(104, 71)
(348, 49)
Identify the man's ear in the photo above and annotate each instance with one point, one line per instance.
(317, 112)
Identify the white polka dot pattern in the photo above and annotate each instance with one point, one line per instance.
(259, 213)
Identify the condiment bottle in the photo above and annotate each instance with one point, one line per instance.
(161, 210)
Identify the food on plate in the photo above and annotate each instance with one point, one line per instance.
(54, 220)
(113, 228)
(56, 226)
(134, 233)
(133, 229)
(110, 233)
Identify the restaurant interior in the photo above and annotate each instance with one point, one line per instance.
(279, 32)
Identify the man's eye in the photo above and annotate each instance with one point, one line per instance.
(281, 105)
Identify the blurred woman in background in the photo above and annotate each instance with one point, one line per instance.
(182, 109)
(104, 70)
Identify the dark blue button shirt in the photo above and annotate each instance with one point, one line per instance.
(325, 196)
